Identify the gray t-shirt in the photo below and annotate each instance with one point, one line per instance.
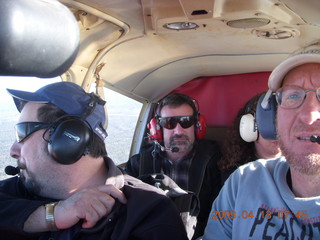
(257, 203)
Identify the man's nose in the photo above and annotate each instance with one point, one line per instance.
(178, 129)
(15, 150)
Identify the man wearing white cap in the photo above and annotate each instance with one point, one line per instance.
(64, 168)
(279, 198)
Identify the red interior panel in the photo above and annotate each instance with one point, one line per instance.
(221, 97)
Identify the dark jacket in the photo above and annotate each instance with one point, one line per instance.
(207, 154)
(148, 214)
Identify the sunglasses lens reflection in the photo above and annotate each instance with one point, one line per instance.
(25, 129)
(171, 122)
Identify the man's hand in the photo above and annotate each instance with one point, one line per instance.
(90, 205)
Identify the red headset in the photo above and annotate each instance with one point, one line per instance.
(155, 131)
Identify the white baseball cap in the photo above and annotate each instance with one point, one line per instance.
(308, 54)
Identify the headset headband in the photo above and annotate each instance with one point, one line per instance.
(180, 100)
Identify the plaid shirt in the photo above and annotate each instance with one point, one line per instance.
(178, 170)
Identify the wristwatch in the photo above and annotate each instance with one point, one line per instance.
(50, 215)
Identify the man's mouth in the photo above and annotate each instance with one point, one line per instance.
(313, 138)
(179, 138)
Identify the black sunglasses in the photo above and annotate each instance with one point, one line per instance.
(171, 122)
(25, 129)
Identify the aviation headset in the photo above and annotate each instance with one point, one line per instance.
(69, 135)
(266, 117)
(155, 131)
(248, 127)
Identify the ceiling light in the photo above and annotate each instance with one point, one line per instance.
(181, 26)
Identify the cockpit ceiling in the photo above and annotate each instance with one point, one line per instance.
(147, 48)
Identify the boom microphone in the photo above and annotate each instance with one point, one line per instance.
(174, 149)
(162, 148)
(315, 139)
(11, 170)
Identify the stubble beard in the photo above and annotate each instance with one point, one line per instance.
(308, 164)
(181, 141)
(30, 184)
(29, 179)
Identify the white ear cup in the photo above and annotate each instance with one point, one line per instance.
(248, 128)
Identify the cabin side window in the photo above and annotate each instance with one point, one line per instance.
(123, 113)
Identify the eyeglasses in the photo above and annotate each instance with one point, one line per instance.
(293, 96)
(25, 129)
(171, 122)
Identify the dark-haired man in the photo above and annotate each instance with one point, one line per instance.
(181, 154)
(67, 186)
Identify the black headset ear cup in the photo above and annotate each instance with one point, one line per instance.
(69, 140)
(266, 118)
(248, 128)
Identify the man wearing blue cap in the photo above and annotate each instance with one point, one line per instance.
(67, 186)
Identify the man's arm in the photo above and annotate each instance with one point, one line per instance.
(19, 213)
(89, 205)
(16, 205)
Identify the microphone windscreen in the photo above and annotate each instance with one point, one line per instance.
(313, 139)
(10, 170)
(175, 149)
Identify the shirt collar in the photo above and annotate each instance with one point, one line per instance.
(114, 176)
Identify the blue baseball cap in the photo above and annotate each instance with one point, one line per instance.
(70, 98)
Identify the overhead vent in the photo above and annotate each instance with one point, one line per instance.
(248, 22)
(277, 33)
